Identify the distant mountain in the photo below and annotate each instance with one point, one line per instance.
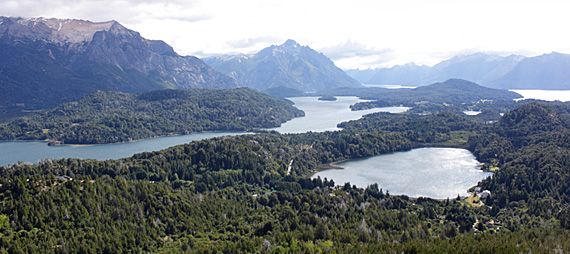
(548, 71)
(110, 117)
(408, 74)
(361, 75)
(460, 91)
(479, 68)
(288, 65)
(45, 62)
(451, 92)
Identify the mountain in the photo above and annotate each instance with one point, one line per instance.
(45, 62)
(110, 116)
(408, 74)
(452, 91)
(461, 91)
(480, 68)
(548, 71)
(288, 65)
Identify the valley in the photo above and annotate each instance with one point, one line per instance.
(152, 151)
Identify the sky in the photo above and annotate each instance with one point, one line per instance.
(354, 34)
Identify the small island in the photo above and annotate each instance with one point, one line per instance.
(327, 98)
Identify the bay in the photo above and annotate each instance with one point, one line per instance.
(427, 172)
(33, 151)
(326, 115)
(320, 116)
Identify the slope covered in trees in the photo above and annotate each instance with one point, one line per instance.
(456, 93)
(530, 147)
(109, 117)
(250, 193)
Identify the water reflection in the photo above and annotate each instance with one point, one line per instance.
(427, 172)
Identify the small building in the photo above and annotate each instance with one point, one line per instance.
(485, 194)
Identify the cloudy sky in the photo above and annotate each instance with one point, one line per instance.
(355, 34)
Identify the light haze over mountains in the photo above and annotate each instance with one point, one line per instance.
(46, 62)
(288, 65)
(548, 71)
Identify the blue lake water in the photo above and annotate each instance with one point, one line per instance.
(427, 172)
(29, 151)
(547, 95)
(320, 116)
(325, 115)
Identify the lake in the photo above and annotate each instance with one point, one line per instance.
(547, 95)
(325, 115)
(32, 151)
(320, 116)
(429, 172)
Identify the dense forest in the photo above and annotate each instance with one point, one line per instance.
(110, 117)
(253, 193)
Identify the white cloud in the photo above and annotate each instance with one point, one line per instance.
(357, 33)
(247, 43)
(353, 54)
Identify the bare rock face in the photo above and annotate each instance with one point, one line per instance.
(79, 56)
(61, 31)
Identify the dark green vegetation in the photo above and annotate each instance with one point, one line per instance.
(327, 98)
(109, 117)
(282, 92)
(251, 193)
(451, 93)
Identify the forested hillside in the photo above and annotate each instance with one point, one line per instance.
(456, 93)
(251, 193)
(530, 148)
(109, 117)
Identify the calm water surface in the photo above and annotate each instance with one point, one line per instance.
(320, 116)
(427, 172)
(325, 115)
(547, 95)
(26, 151)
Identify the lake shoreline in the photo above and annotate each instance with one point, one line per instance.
(329, 166)
(48, 141)
(408, 173)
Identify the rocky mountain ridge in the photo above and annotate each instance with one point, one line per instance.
(289, 65)
(50, 61)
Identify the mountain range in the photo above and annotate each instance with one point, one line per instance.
(289, 65)
(46, 62)
(548, 71)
